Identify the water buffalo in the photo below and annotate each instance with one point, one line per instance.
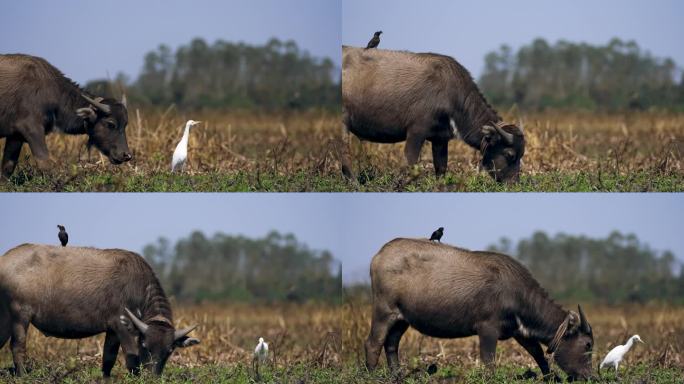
(77, 292)
(393, 96)
(448, 292)
(36, 99)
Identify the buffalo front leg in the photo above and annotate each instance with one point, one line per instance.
(129, 346)
(380, 326)
(18, 346)
(109, 353)
(535, 350)
(39, 150)
(10, 156)
(392, 344)
(342, 149)
(440, 156)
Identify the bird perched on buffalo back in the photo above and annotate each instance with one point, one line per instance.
(437, 235)
(375, 41)
(63, 236)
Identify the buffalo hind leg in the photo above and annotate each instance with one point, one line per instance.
(10, 155)
(535, 350)
(18, 346)
(392, 343)
(414, 144)
(440, 156)
(488, 338)
(109, 353)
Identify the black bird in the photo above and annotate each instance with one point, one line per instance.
(63, 236)
(437, 235)
(375, 41)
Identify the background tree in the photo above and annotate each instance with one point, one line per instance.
(615, 76)
(274, 268)
(276, 75)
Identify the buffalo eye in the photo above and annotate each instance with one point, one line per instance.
(588, 346)
(111, 125)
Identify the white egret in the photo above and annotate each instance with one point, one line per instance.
(260, 354)
(181, 152)
(614, 357)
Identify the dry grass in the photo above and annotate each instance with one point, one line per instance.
(305, 334)
(296, 152)
(660, 326)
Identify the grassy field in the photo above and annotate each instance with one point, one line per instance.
(304, 344)
(660, 360)
(240, 151)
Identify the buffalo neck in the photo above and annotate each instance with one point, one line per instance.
(67, 120)
(156, 303)
(541, 316)
(473, 112)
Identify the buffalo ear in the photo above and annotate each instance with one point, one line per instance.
(87, 113)
(490, 133)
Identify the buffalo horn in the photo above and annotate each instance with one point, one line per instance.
(508, 137)
(97, 104)
(142, 327)
(183, 332)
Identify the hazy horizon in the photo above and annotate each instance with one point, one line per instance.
(469, 30)
(353, 227)
(93, 40)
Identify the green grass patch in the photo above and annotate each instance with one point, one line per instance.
(368, 180)
(75, 373)
(641, 373)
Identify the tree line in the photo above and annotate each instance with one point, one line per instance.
(615, 76)
(275, 268)
(273, 76)
(615, 269)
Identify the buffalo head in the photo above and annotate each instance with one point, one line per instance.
(158, 339)
(106, 121)
(502, 147)
(572, 346)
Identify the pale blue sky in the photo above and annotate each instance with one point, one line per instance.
(467, 30)
(133, 220)
(475, 221)
(88, 39)
(353, 226)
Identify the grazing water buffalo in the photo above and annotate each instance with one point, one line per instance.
(393, 96)
(448, 292)
(75, 292)
(36, 98)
